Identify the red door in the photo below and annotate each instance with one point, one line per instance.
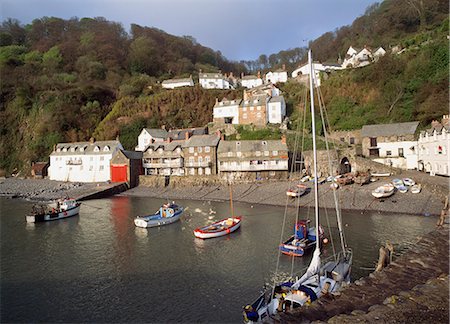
(119, 173)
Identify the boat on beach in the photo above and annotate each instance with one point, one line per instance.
(298, 191)
(166, 214)
(415, 189)
(408, 182)
(63, 208)
(380, 174)
(220, 228)
(304, 238)
(383, 191)
(397, 183)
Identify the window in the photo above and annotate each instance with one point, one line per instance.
(91, 167)
(207, 149)
(258, 115)
(275, 152)
(200, 171)
(200, 149)
(252, 108)
(244, 116)
(230, 154)
(400, 152)
(258, 153)
(373, 141)
(388, 153)
(239, 154)
(191, 159)
(352, 140)
(266, 153)
(101, 167)
(244, 109)
(106, 148)
(258, 108)
(207, 159)
(102, 158)
(191, 150)
(342, 139)
(200, 159)
(96, 149)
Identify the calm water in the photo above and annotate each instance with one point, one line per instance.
(97, 267)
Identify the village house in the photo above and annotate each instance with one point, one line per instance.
(180, 134)
(350, 137)
(391, 144)
(276, 110)
(251, 81)
(434, 144)
(126, 166)
(177, 83)
(148, 136)
(164, 158)
(254, 111)
(253, 160)
(200, 154)
(226, 111)
(82, 161)
(361, 57)
(214, 81)
(279, 75)
(268, 89)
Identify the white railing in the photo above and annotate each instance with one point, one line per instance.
(172, 164)
(197, 164)
(259, 167)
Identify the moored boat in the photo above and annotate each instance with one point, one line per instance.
(62, 209)
(380, 174)
(298, 191)
(408, 182)
(166, 214)
(383, 191)
(304, 238)
(220, 228)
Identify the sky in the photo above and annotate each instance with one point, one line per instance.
(239, 29)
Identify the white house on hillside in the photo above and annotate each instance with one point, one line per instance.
(434, 144)
(148, 136)
(214, 81)
(177, 83)
(276, 110)
(279, 75)
(251, 81)
(82, 161)
(359, 58)
(227, 111)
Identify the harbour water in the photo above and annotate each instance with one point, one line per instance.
(98, 267)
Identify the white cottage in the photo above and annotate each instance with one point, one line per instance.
(434, 144)
(251, 81)
(177, 83)
(279, 75)
(226, 111)
(214, 81)
(148, 136)
(82, 161)
(276, 110)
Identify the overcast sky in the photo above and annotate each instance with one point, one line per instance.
(240, 29)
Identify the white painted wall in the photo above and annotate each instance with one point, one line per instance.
(251, 83)
(408, 161)
(174, 85)
(144, 139)
(227, 111)
(275, 77)
(433, 159)
(276, 112)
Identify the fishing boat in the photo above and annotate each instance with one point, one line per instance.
(384, 191)
(416, 188)
(317, 280)
(304, 238)
(345, 179)
(166, 214)
(362, 178)
(222, 227)
(298, 191)
(64, 208)
(408, 182)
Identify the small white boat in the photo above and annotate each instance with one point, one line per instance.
(384, 191)
(397, 183)
(166, 214)
(402, 188)
(408, 182)
(380, 174)
(416, 188)
(62, 209)
(220, 228)
(298, 191)
(305, 179)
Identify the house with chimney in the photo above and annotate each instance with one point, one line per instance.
(254, 111)
(253, 160)
(149, 136)
(177, 83)
(200, 154)
(226, 111)
(214, 81)
(391, 144)
(433, 146)
(361, 57)
(82, 161)
(163, 158)
(279, 75)
(251, 81)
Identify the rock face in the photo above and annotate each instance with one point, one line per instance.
(412, 289)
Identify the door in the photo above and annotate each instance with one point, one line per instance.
(119, 173)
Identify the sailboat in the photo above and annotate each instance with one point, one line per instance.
(318, 279)
(220, 228)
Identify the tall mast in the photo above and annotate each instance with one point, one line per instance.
(316, 184)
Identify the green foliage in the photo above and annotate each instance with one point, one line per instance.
(52, 59)
(12, 55)
(252, 133)
(130, 132)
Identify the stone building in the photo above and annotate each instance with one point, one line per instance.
(254, 111)
(200, 154)
(350, 137)
(164, 158)
(253, 160)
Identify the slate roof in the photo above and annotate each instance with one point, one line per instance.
(170, 81)
(276, 99)
(132, 155)
(202, 140)
(157, 132)
(398, 129)
(225, 103)
(168, 149)
(216, 75)
(260, 100)
(180, 134)
(88, 148)
(249, 77)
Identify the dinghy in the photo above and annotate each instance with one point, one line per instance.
(298, 191)
(397, 183)
(220, 228)
(408, 182)
(166, 214)
(416, 188)
(304, 238)
(383, 191)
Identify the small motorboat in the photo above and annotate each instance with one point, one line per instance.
(408, 182)
(166, 214)
(416, 188)
(62, 209)
(220, 228)
(303, 239)
(384, 191)
(305, 179)
(298, 191)
(397, 183)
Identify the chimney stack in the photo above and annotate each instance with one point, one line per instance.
(259, 74)
(187, 135)
(284, 67)
(169, 139)
(445, 120)
(92, 140)
(242, 75)
(283, 139)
